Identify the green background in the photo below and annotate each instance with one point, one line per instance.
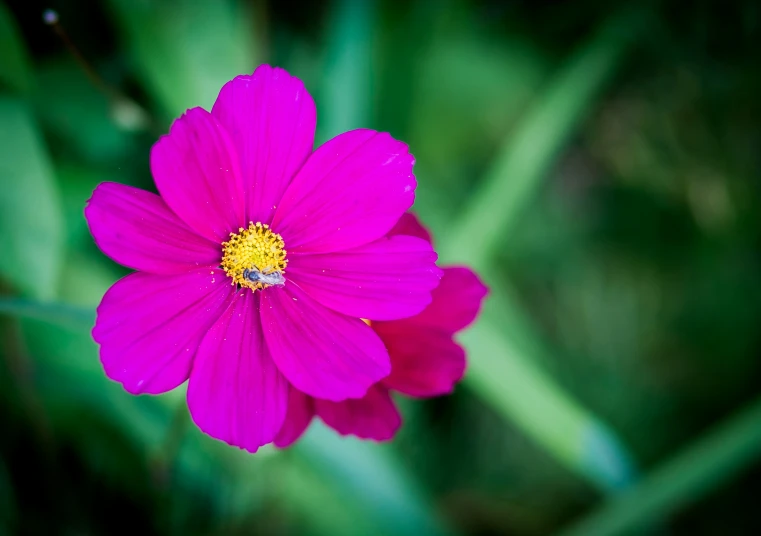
(597, 162)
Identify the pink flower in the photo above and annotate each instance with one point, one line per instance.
(258, 259)
(425, 360)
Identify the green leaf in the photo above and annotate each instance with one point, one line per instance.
(30, 212)
(15, 69)
(185, 50)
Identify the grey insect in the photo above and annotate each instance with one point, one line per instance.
(266, 276)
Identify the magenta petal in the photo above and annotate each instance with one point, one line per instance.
(409, 224)
(236, 392)
(425, 359)
(300, 413)
(384, 280)
(351, 191)
(136, 228)
(322, 353)
(372, 417)
(271, 118)
(149, 326)
(424, 362)
(456, 301)
(196, 171)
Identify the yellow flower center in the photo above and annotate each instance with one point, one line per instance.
(254, 257)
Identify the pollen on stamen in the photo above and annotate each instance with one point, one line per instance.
(254, 250)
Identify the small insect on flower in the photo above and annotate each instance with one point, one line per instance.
(268, 276)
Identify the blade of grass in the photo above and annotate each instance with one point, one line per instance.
(527, 156)
(503, 372)
(707, 463)
(503, 347)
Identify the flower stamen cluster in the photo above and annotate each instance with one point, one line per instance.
(252, 254)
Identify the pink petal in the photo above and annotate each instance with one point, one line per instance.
(149, 326)
(424, 362)
(271, 118)
(196, 171)
(409, 224)
(384, 280)
(456, 301)
(322, 353)
(136, 228)
(236, 392)
(372, 417)
(351, 191)
(300, 413)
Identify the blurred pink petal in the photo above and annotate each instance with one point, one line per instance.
(424, 362)
(300, 413)
(425, 359)
(373, 416)
(410, 225)
(455, 302)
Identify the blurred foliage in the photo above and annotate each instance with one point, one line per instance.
(596, 162)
